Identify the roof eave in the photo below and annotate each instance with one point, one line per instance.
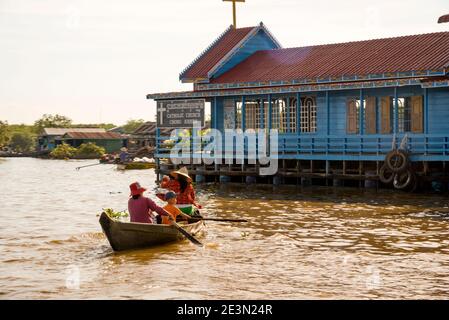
(181, 75)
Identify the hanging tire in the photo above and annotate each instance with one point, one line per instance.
(404, 179)
(414, 186)
(386, 176)
(397, 160)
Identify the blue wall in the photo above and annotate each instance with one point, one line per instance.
(438, 111)
(438, 107)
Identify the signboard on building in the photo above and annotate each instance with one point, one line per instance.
(229, 114)
(180, 113)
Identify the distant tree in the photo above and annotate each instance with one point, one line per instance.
(132, 124)
(107, 126)
(13, 128)
(22, 142)
(4, 133)
(52, 121)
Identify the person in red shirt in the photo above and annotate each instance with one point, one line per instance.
(181, 184)
(141, 208)
(169, 182)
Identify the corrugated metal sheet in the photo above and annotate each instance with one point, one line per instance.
(92, 135)
(212, 55)
(400, 54)
(444, 19)
(147, 128)
(62, 131)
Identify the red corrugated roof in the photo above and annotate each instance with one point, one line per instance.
(444, 19)
(93, 135)
(212, 55)
(400, 54)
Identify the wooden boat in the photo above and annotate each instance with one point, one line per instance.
(127, 235)
(136, 166)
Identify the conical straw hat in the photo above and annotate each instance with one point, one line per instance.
(183, 172)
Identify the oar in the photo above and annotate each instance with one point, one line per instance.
(89, 165)
(186, 234)
(218, 219)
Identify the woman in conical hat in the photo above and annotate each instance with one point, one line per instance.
(181, 184)
(181, 172)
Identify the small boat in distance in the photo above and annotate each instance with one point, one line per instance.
(136, 166)
(128, 235)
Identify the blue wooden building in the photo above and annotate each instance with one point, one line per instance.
(339, 108)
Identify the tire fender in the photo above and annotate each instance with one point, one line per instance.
(386, 176)
(397, 160)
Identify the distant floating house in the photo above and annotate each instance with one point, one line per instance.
(48, 138)
(145, 136)
(119, 129)
(111, 141)
(337, 107)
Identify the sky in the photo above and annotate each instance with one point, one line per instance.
(95, 60)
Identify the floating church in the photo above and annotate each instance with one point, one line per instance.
(363, 113)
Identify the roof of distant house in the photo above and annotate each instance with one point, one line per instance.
(62, 131)
(149, 129)
(93, 135)
(118, 129)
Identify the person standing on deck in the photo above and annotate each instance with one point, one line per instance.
(181, 184)
(123, 155)
(141, 208)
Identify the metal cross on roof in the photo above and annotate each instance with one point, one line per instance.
(234, 10)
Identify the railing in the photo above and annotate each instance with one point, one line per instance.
(368, 147)
(332, 147)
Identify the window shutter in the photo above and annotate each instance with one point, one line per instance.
(385, 110)
(370, 115)
(351, 116)
(417, 114)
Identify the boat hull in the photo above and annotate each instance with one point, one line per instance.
(136, 166)
(126, 236)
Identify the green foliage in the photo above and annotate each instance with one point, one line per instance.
(63, 151)
(116, 214)
(90, 150)
(22, 142)
(22, 128)
(4, 133)
(131, 125)
(52, 121)
(105, 126)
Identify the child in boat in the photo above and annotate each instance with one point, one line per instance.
(141, 208)
(171, 208)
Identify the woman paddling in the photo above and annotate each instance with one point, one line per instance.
(141, 208)
(181, 184)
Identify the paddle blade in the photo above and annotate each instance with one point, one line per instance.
(187, 235)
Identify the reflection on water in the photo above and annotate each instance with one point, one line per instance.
(319, 243)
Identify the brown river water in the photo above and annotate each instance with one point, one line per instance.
(311, 243)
